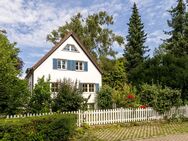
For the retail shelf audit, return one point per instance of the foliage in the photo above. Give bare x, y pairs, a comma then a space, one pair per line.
177, 43
48, 128
161, 99
148, 94
93, 31
13, 91
40, 101
104, 97
135, 49
69, 97
114, 74
19, 96
126, 97
164, 69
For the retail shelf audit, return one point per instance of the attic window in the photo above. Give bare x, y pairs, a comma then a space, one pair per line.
70, 47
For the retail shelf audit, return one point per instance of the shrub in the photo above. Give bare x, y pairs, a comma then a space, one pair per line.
161, 99
126, 97
69, 97
104, 97
41, 97
148, 94
48, 128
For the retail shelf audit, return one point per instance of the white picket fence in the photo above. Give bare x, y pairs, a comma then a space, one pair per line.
99, 117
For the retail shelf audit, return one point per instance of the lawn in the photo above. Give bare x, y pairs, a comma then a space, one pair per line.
134, 131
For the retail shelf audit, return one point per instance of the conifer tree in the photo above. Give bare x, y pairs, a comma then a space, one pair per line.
135, 49
177, 43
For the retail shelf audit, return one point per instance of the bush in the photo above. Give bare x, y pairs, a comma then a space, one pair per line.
69, 97
40, 101
161, 99
126, 97
148, 94
104, 97
48, 128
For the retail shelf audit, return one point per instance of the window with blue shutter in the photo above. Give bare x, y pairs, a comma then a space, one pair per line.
70, 65
85, 66
97, 87
54, 63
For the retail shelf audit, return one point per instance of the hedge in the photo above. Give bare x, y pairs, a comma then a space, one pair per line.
45, 128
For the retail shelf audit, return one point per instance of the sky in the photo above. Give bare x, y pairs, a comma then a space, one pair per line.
28, 22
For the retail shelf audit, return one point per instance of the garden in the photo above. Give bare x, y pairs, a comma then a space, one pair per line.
138, 94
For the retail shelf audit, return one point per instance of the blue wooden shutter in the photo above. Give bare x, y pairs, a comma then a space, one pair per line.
68, 64
71, 64
54, 63
97, 87
85, 66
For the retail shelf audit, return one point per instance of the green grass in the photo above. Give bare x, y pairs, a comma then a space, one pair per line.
135, 131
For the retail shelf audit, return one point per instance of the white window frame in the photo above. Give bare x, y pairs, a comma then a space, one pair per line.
79, 66
89, 90
69, 47
61, 64
54, 87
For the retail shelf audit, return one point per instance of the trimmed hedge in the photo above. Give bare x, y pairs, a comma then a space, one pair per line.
46, 128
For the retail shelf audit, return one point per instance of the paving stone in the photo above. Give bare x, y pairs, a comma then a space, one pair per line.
178, 137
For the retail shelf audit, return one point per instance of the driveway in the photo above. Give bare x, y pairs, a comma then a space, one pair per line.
178, 137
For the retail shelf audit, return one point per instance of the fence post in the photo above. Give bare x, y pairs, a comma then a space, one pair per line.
121, 114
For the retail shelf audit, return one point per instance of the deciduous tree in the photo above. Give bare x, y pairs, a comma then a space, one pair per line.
94, 31
13, 91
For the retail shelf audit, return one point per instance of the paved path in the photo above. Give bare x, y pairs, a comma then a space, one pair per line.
178, 137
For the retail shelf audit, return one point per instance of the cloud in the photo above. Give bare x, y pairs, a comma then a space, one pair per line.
156, 37
29, 21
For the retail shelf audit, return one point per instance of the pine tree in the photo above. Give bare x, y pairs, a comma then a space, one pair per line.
135, 49
177, 43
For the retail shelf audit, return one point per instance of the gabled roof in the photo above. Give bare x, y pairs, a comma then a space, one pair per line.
29, 71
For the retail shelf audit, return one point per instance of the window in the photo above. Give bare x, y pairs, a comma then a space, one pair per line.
91, 87
54, 87
88, 87
73, 48
79, 66
66, 48
61, 64
73, 65
84, 87
70, 47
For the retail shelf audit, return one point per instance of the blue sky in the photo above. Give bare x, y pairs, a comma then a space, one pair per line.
27, 22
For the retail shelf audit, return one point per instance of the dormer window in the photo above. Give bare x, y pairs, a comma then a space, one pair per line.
70, 47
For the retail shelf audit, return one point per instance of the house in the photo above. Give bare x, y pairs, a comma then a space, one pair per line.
69, 59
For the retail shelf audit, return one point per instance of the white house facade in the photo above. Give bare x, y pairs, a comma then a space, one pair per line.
68, 60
